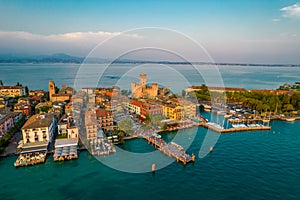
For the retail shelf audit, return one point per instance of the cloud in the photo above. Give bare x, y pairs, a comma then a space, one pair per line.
93, 36
292, 11
275, 20
77, 43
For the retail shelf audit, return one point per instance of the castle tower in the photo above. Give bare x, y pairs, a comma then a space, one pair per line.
51, 89
154, 90
143, 79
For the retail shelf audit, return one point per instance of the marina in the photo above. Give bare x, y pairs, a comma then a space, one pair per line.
217, 128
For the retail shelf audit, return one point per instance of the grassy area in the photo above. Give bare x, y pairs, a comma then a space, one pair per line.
62, 136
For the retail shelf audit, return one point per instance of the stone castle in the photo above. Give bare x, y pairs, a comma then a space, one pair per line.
142, 90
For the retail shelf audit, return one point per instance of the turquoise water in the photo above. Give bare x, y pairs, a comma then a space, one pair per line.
246, 165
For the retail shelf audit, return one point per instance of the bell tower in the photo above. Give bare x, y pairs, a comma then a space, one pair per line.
51, 89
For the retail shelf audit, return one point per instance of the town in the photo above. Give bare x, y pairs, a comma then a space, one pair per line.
62, 121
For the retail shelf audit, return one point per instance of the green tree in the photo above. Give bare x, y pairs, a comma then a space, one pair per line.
125, 125
147, 119
288, 107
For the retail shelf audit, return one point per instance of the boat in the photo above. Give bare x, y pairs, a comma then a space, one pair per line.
207, 110
291, 119
156, 135
221, 112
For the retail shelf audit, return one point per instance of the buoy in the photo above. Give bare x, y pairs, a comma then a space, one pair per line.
193, 157
211, 149
153, 167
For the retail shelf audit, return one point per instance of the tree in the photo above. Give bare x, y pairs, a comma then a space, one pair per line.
288, 107
125, 125
147, 119
26, 90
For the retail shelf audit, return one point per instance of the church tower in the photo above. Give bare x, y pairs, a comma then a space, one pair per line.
51, 89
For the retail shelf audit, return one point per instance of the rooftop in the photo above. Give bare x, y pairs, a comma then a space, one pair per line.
66, 142
39, 120
11, 87
102, 113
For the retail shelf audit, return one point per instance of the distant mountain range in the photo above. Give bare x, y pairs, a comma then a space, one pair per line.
64, 58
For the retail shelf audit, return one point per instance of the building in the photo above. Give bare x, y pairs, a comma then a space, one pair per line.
91, 125
6, 122
23, 108
66, 90
3, 102
37, 135
39, 129
172, 111
134, 106
63, 95
39, 93
150, 109
105, 119
142, 90
51, 87
67, 128
12, 91
67, 140
188, 108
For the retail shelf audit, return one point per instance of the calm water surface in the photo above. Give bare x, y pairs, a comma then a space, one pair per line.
246, 165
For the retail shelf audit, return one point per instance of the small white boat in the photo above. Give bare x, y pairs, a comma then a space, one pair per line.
227, 116
156, 135
207, 110
291, 119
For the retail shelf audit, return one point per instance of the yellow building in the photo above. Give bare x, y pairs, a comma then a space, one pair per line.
12, 91
188, 108
39, 93
172, 111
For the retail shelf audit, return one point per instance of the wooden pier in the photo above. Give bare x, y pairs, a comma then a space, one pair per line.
170, 149
230, 130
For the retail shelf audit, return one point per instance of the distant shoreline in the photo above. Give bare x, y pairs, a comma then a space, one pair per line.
155, 62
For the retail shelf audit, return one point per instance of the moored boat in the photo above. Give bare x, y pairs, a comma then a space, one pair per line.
291, 119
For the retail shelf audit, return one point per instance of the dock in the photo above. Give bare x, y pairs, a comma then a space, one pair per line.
30, 159
219, 129
170, 149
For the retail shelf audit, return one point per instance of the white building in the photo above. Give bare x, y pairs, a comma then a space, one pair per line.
39, 129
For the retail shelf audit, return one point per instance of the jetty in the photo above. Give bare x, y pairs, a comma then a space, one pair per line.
170, 149
219, 129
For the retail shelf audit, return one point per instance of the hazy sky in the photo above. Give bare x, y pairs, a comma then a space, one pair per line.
256, 31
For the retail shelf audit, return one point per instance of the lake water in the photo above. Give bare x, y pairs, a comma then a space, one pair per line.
177, 77
245, 165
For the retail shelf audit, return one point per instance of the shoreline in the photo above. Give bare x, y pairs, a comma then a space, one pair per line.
199, 124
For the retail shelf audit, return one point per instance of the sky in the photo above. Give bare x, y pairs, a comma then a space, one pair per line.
240, 31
